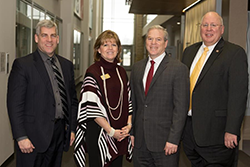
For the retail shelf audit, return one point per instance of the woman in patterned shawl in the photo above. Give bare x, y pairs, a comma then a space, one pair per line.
105, 109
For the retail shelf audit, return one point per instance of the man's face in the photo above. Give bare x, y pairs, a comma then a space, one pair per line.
155, 43
211, 28
47, 40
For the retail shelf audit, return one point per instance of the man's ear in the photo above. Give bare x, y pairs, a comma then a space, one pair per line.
36, 38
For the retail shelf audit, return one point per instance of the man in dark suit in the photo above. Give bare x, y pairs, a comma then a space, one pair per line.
42, 103
218, 97
160, 107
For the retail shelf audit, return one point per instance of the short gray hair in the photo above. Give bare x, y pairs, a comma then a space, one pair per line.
159, 28
47, 24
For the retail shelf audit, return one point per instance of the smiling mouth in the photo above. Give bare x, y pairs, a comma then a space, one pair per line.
153, 48
209, 35
110, 53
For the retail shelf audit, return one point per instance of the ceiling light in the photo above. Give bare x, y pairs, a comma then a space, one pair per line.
184, 10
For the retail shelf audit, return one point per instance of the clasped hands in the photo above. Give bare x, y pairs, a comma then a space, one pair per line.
120, 134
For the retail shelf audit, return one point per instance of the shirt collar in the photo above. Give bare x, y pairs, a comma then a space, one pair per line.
210, 47
45, 57
157, 59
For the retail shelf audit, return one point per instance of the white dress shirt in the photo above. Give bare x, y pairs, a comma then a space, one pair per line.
197, 57
157, 61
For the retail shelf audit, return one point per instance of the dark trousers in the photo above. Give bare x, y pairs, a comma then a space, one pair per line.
52, 157
92, 135
142, 157
210, 156
116, 162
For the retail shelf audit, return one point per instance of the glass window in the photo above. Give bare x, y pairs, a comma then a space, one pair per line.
48, 17
116, 17
77, 52
150, 18
126, 56
23, 29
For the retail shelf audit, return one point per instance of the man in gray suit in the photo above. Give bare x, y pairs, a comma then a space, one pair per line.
160, 106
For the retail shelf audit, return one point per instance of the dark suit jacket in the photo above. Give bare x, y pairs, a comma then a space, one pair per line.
160, 116
31, 103
220, 94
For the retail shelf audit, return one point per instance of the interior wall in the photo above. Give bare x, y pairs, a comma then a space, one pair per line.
67, 16
7, 44
237, 25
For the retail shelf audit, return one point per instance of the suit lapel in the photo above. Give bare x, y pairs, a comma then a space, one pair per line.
216, 52
160, 69
39, 64
141, 74
192, 55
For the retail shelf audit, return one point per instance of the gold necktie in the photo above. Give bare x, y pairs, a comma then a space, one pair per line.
196, 72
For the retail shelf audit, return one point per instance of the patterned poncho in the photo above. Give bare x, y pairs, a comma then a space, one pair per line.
93, 104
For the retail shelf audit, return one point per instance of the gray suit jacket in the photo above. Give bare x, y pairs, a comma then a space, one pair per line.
160, 116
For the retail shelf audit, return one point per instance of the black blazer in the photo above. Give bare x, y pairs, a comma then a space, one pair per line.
160, 116
220, 94
31, 103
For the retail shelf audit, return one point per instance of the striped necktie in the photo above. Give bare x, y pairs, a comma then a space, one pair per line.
61, 88
196, 72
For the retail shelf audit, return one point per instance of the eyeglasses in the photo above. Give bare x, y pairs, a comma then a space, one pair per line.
211, 25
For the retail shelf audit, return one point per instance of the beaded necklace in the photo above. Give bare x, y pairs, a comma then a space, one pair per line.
120, 102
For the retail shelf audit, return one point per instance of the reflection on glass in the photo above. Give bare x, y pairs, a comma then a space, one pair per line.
126, 57
77, 52
22, 40
36, 14
48, 17
150, 18
23, 29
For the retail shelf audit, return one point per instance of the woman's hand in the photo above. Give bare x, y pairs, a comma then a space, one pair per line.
125, 131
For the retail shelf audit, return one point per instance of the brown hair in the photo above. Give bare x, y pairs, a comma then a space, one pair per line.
103, 37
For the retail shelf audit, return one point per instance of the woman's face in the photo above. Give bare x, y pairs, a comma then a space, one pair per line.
109, 50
